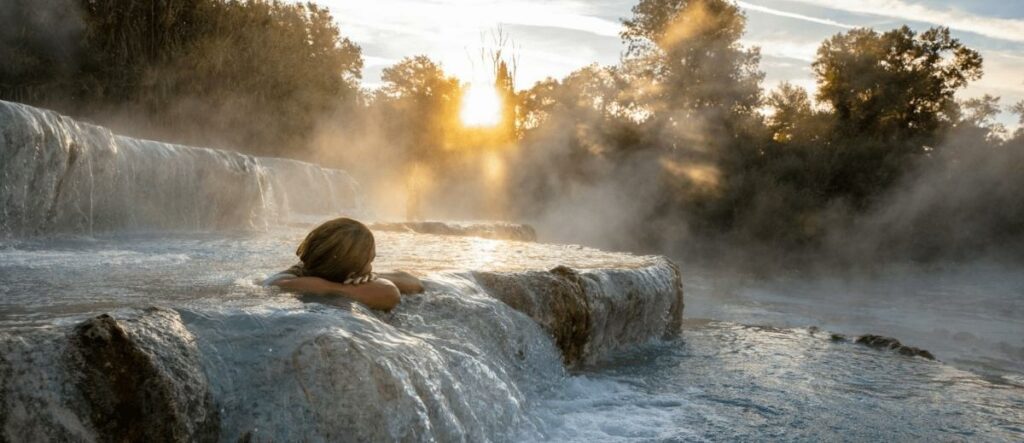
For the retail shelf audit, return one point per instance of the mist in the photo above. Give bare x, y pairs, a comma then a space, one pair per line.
963, 203
696, 161
706, 245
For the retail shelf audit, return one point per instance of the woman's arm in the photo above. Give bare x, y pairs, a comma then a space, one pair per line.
406, 282
378, 294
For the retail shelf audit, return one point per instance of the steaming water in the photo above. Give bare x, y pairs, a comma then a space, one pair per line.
496, 373
454, 363
970, 314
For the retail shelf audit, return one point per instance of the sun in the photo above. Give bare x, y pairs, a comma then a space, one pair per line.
481, 106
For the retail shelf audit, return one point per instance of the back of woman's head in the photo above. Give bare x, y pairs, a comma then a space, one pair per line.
336, 250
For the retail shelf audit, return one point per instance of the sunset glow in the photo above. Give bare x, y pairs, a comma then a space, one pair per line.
481, 106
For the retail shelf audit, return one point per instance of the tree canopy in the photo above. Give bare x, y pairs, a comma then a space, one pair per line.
897, 85
676, 143
251, 75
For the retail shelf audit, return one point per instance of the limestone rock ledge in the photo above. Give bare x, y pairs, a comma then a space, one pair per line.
592, 312
492, 230
135, 379
460, 362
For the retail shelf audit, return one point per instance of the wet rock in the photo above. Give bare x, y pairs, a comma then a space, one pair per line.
815, 330
494, 230
37, 400
882, 342
591, 312
675, 325
554, 299
141, 379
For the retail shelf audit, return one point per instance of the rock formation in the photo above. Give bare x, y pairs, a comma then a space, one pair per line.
494, 230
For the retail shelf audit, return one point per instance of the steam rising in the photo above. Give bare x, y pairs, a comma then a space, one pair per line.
665, 152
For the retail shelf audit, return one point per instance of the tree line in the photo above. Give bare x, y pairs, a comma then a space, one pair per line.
678, 144
247, 75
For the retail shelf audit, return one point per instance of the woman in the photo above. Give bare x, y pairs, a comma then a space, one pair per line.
337, 260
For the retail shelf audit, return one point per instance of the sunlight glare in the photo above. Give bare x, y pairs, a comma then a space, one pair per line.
481, 106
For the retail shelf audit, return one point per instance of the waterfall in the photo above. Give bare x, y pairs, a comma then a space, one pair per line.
61, 175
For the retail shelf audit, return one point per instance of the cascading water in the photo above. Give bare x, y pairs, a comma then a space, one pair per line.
512, 340
458, 362
61, 175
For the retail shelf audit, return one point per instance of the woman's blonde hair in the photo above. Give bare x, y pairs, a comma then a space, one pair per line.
336, 250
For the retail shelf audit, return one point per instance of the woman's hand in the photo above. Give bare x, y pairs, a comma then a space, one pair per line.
377, 294
360, 279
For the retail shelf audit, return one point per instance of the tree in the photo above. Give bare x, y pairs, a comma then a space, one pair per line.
265, 74
892, 96
894, 86
252, 75
979, 115
1018, 108
423, 102
504, 83
40, 41
574, 134
690, 59
503, 57
791, 109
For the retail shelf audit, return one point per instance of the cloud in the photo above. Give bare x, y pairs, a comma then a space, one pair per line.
1003, 72
780, 13
992, 27
442, 16
370, 60
552, 37
803, 50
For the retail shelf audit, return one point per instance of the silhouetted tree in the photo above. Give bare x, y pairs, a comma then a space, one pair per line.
40, 46
503, 57
978, 114
505, 85
897, 85
892, 94
421, 102
687, 55
1018, 108
252, 75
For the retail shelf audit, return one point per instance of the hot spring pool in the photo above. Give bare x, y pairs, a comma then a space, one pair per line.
496, 374
512, 341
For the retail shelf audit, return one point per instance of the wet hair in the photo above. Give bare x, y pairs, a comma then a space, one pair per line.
336, 250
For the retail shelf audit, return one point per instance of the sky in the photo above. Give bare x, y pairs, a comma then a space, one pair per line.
555, 37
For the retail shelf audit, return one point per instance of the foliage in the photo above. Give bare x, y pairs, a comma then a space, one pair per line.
422, 105
683, 112
892, 97
251, 75
676, 144
686, 58
894, 86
